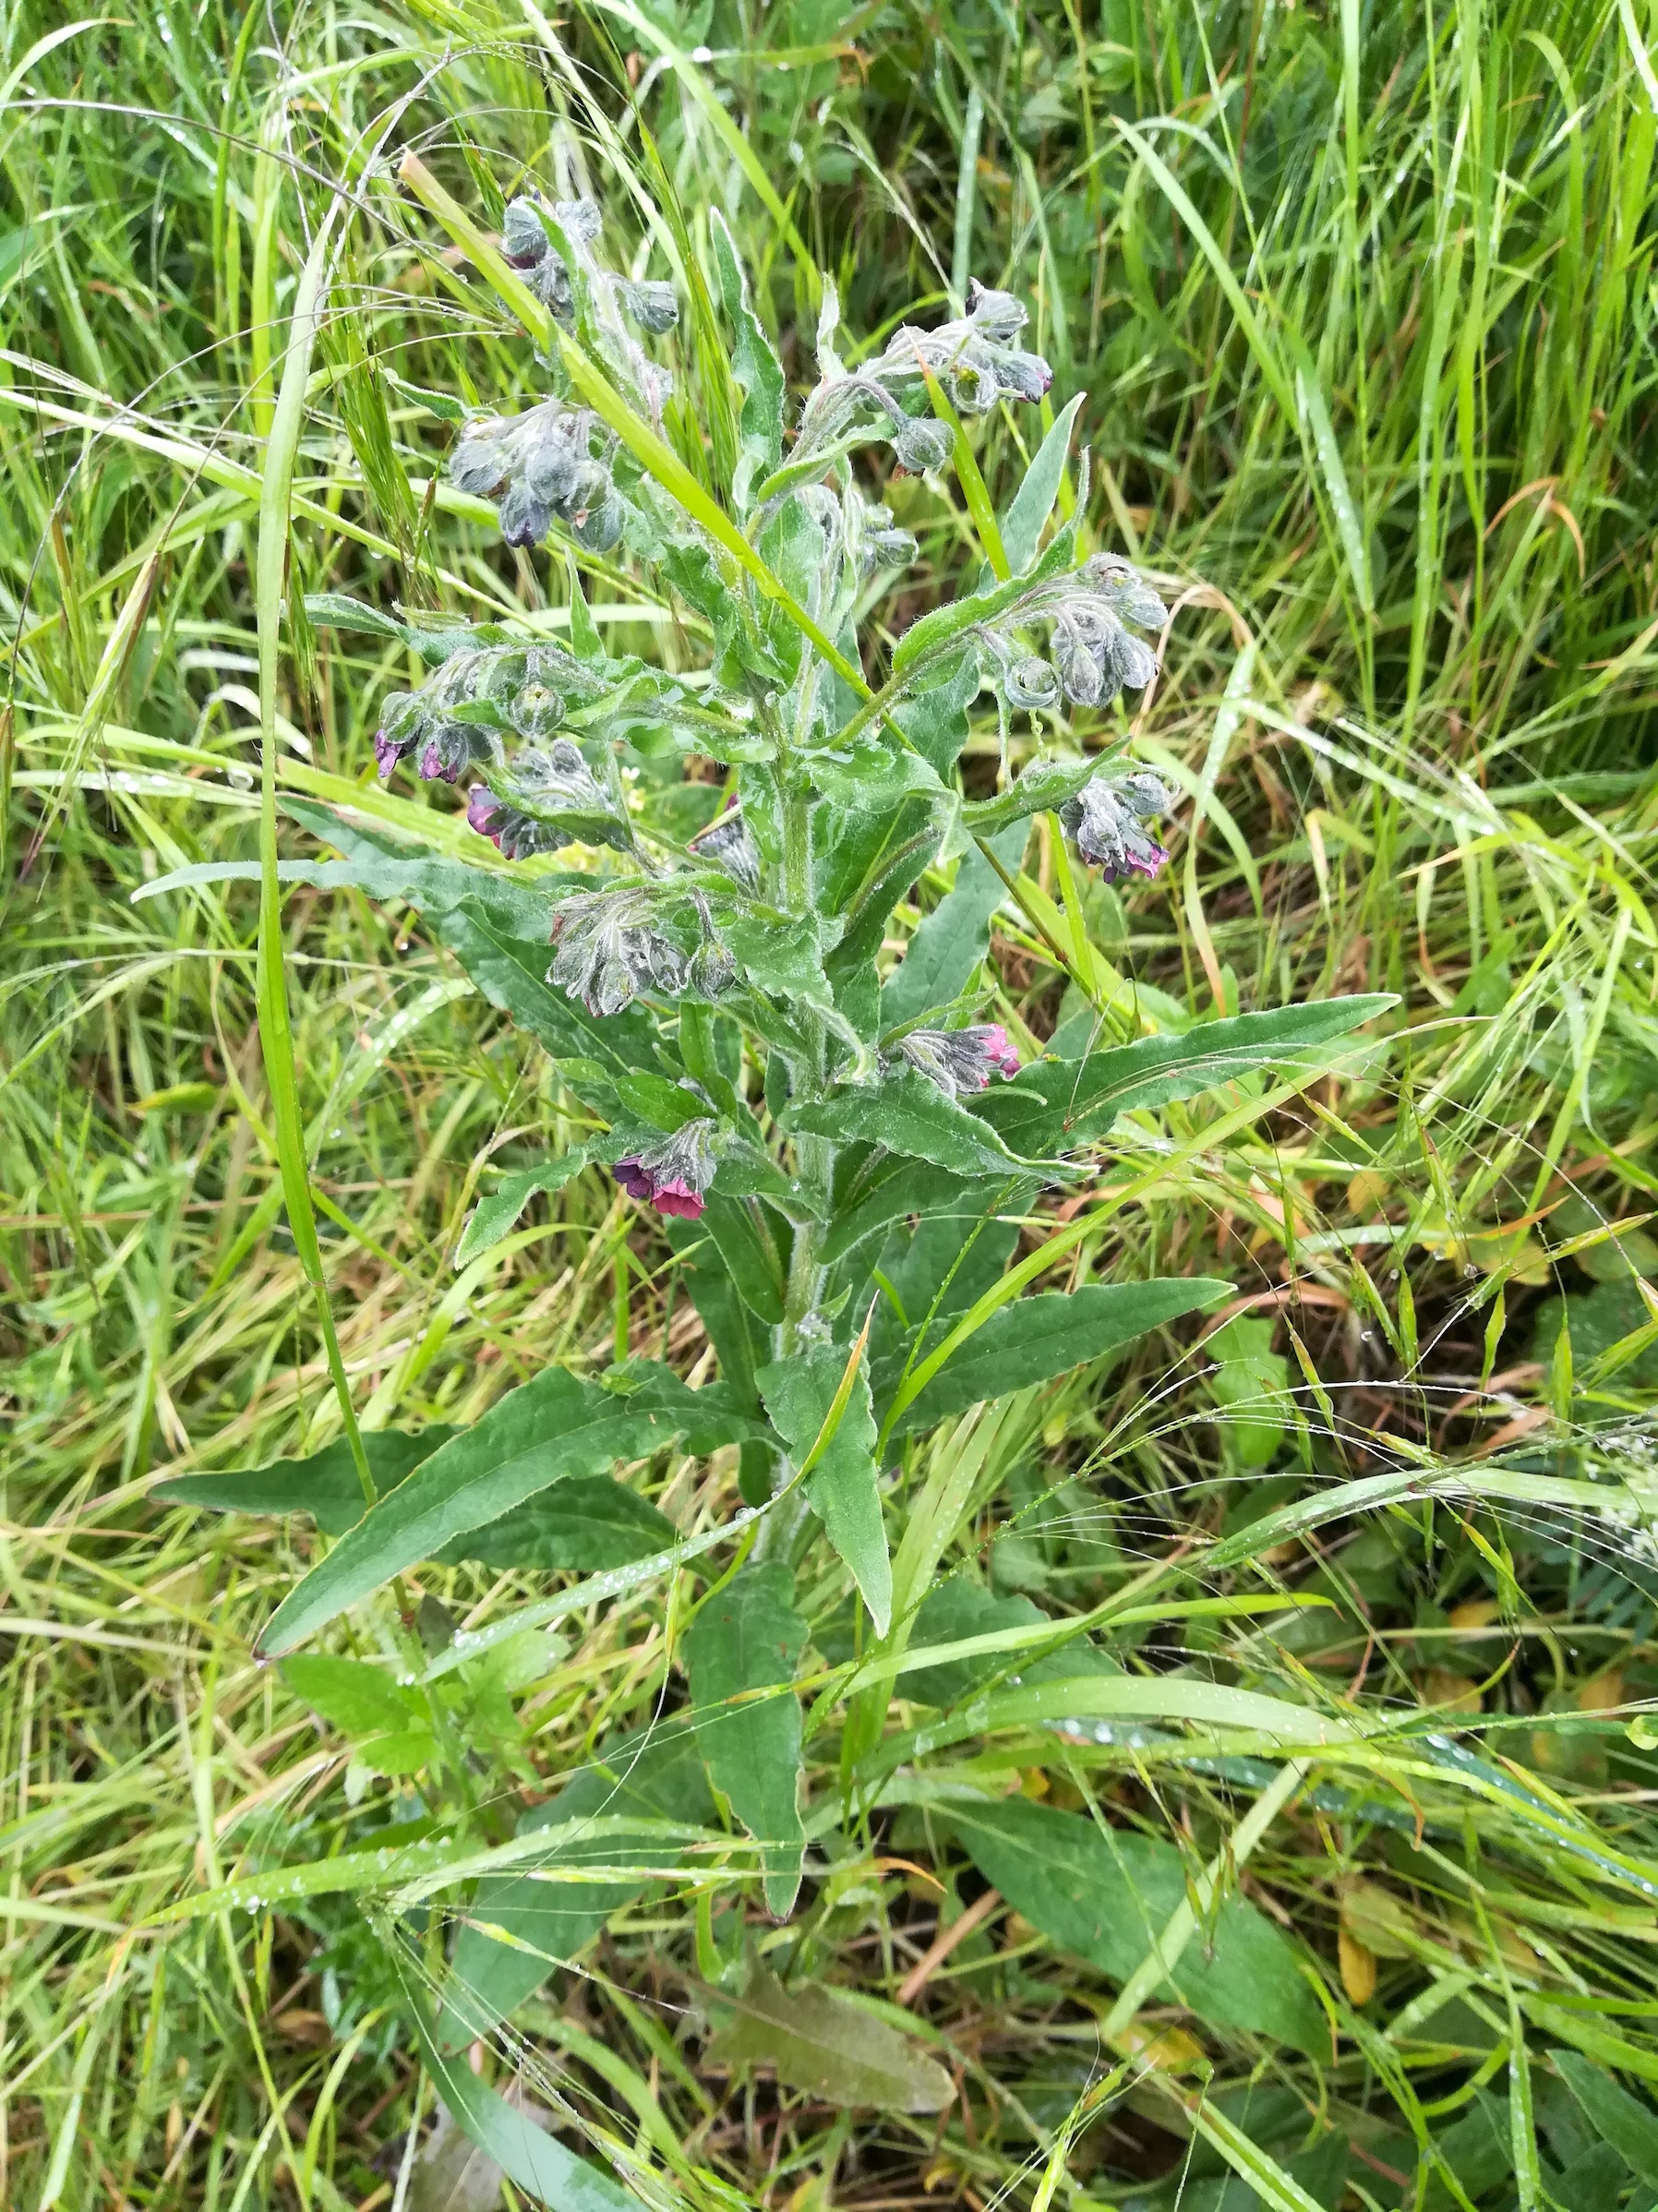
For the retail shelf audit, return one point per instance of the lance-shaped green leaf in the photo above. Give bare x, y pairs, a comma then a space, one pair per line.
959, 1610
951, 942
1055, 1105
434, 641
800, 1395
384, 869
741, 1651
538, 1434
743, 1229
654, 1774
1033, 503
1032, 1340
892, 1188
776, 952
1613, 2114
824, 2044
935, 720
1107, 1896
871, 772
325, 1484
908, 1114
755, 368
934, 632
496, 1213
586, 1522
536, 2162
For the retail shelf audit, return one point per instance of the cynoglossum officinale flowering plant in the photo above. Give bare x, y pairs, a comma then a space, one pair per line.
842, 1136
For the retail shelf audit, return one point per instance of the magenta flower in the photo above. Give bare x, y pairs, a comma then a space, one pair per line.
1105, 818
673, 1175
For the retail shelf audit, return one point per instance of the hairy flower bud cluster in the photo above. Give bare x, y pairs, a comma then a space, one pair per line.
1105, 820
542, 785
539, 465
611, 947
976, 360
729, 845
958, 1060
1095, 655
672, 1176
456, 719
526, 246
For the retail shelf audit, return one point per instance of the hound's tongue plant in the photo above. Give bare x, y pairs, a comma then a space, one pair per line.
711, 966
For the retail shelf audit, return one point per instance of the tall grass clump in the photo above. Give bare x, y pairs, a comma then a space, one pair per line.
825, 1107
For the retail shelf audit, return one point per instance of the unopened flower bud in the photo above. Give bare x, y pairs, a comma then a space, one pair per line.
1031, 683
922, 444
729, 845
1080, 671
653, 304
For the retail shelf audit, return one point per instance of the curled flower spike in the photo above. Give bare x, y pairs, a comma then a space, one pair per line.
974, 357
610, 949
455, 720
960, 1060
515, 835
1105, 820
547, 783
673, 1175
539, 465
1095, 655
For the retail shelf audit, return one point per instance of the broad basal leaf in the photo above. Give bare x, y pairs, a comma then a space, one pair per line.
536, 1435
1055, 1105
656, 1774
1033, 1340
824, 2044
587, 1523
800, 1394
325, 1485
747, 1638
1109, 1896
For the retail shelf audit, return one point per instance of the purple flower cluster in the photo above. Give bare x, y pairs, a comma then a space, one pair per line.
1105, 820
458, 717
672, 1176
959, 1061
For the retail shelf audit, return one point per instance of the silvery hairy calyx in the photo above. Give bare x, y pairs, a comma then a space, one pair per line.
740, 899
